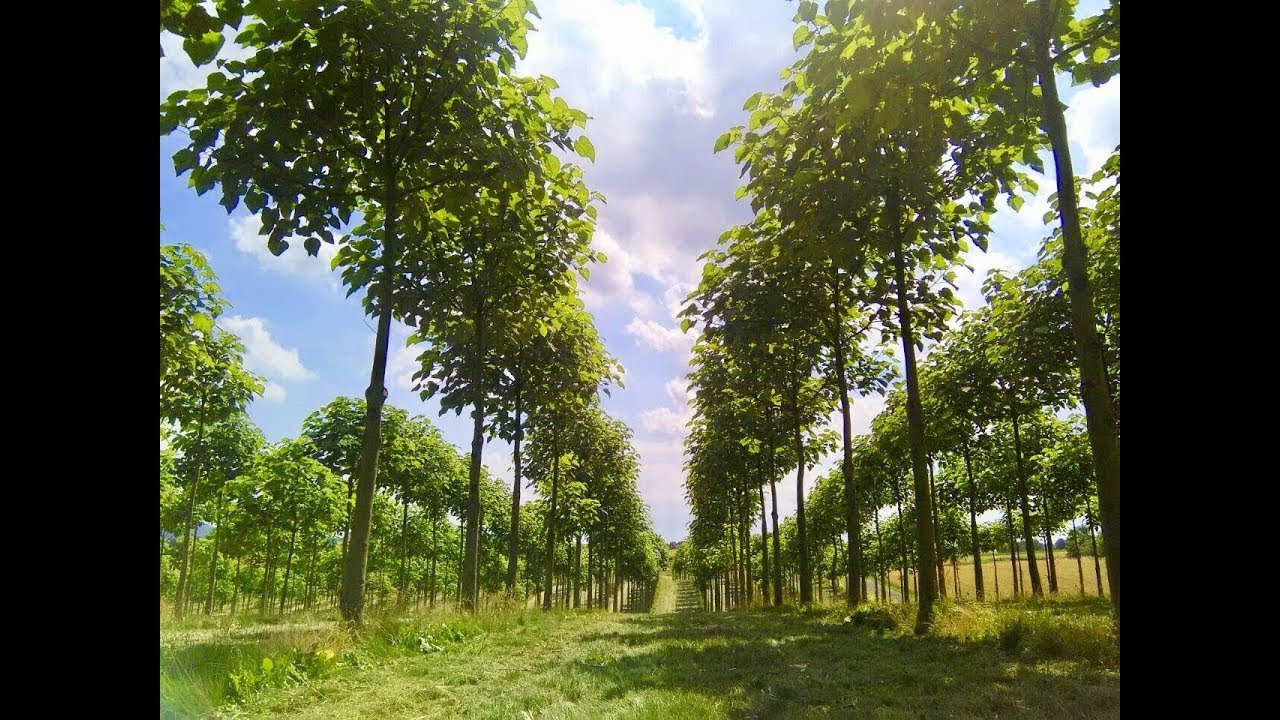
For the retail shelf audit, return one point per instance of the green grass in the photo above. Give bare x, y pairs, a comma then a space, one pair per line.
1032, 660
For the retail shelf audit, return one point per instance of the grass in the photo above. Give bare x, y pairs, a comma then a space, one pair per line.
1056, 659
1068, 576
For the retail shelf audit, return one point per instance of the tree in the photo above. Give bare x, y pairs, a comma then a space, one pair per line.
345, 107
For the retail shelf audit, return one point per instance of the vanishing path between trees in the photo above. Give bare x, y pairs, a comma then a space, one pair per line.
680, 662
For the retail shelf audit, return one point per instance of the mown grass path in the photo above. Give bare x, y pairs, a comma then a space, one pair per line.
683, 664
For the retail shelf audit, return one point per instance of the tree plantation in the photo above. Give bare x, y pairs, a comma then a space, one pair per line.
892, 443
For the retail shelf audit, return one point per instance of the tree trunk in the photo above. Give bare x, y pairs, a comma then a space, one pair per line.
1093, 540
350, 508
806, 578
470, 560
995, 573
213, 564
236, 587
1013, 552
764, 551
973, 527
902, 539
551, 516
288, 568
1075, 534
514, 544
777, 547
188, 523
577, 569
915, 431
1104, 431
937, 532
882, 577
353, 570
853, 569
435, 551
1051, 566
401, 588
1025, 505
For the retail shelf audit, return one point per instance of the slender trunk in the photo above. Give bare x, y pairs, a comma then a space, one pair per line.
404, 546
902, 539
435, 551
777, 548
357, 561
973, 527
806, 578
577, 569
1100, 418
514, 544
462, 551
745, 533
1027, 534
213, 564
266, 571
311, 572
937, 532
470, 560
288, 568
764, 551
1051, 565
188, 524
1093, 541
350, 508
551, 516
590, 569
882, 577
1013, 552
236, 587
853, 570
995, 573
915, 431
1079, 560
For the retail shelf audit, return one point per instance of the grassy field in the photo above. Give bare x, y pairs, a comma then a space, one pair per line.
1035, 660
1068, 575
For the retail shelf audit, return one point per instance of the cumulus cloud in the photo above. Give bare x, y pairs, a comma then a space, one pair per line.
295, 261
658, 336
1093, 119
262, 353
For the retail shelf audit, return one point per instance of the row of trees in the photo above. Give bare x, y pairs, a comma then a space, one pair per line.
871, 173
278, 520
400, 131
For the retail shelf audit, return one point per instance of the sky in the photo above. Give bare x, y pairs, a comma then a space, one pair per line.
660, 80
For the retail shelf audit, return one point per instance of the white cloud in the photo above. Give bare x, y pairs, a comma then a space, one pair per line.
1093, 119
658, 336
626, 47
295, 261
273, 392
613, 282
264, 355
664, 421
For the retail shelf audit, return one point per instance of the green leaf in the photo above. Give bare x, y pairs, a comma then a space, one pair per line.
801, 37
1016, 202
585, 272
204, 48
584, 148
1101, 54
685, 324
723, 141
808, 10
741, 193
751, 103
312, 246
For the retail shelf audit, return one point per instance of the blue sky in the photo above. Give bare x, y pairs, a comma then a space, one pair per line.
661, 80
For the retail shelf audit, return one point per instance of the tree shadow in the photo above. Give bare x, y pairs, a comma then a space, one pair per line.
778, 664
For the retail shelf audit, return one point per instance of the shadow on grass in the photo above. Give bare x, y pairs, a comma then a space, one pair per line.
787, 664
